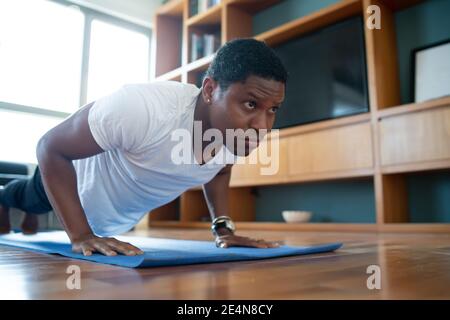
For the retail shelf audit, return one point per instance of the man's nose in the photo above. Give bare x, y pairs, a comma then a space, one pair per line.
259, 122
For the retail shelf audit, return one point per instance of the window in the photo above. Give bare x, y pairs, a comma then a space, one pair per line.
40, 54
20, 132
117, 56
56, 57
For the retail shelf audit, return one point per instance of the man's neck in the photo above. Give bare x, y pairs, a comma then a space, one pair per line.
201, 113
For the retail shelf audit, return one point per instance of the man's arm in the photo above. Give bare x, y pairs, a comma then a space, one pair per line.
216, 197
70, 140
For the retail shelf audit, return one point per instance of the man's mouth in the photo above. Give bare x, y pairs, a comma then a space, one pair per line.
251, 143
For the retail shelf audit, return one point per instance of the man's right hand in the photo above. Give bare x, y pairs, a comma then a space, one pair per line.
107, 246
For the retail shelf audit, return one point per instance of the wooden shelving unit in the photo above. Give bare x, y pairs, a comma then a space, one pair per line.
383, 144
212, 16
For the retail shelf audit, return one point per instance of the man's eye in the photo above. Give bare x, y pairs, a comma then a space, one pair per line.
274, 109
250, 104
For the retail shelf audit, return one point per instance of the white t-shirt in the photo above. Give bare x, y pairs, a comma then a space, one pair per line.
136, 173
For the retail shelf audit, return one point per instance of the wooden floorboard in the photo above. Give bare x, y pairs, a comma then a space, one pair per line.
413, 266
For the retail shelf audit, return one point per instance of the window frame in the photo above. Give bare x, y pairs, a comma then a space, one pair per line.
89, 16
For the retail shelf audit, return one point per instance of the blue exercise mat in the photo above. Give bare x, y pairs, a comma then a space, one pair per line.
158, 251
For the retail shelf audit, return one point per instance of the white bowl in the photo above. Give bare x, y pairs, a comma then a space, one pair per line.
293, 216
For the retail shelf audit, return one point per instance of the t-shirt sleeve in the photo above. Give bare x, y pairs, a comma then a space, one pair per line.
122, 120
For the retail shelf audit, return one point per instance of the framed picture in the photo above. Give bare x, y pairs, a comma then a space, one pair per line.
431, 71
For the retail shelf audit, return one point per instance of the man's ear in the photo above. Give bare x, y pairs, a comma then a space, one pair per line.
209, 86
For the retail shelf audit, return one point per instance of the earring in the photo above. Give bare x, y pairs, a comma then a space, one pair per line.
209, 100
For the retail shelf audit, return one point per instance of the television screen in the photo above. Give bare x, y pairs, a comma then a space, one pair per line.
327, 74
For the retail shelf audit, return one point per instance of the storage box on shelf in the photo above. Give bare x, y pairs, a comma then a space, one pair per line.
384, 144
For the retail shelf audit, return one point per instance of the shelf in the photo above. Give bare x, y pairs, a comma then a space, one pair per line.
174, 75
211, 16
331, 175
200, 64
197, 69
172, 8
196, 77
413, 107
416, 166
252, 6
314, 21
302, 178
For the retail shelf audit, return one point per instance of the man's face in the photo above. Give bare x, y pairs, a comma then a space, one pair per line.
249, 105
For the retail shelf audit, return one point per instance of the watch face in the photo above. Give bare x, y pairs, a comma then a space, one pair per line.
224, 223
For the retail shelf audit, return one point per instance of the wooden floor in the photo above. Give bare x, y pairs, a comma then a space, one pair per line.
413, 266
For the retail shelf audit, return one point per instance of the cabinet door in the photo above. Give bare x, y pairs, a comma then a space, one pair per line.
269, 167
415, 137
337, 149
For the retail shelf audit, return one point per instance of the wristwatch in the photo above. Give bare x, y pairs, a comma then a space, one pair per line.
222, 222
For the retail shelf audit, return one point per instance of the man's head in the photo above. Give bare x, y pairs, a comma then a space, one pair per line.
244, 86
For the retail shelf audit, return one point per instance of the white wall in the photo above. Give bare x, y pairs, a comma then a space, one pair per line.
137, 11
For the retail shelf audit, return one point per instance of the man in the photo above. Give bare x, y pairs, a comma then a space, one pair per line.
110, 162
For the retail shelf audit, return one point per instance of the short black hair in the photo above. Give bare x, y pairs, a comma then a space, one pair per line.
238, 59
